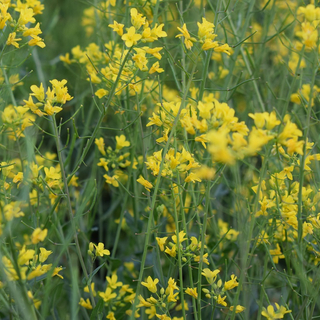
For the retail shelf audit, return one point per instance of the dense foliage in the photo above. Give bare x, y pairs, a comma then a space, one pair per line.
159, 159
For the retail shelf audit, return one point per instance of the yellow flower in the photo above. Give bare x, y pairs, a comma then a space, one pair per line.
210, 275
12, 40
36, 41
163, 317
56, 272
157, 31
231, 283
238, 308
86, 289
111, 316
155, 119
66, 58
44, 254
221, 300
38, 235
121, 142
145, 183
101, 93
26, 15
204, 258
310, 12
103, 163
151, 285
143, 302
86, 304
18, 177
206, 29
36, 302
259, 119
181, 237
38, 92
276, 254
137, 19
112, 180
270, 314
192, 177
117, 27
155, 68
140, 59
187, 38
25, 256
39, 271
107, 295
4, 16
309, 35
161, 242
113, 282
164, 137
171, 252
154, 51
192, 292
60, 91
12, 210
101, 251
100, 144
131, 37
172, 285
223, 48
50, 110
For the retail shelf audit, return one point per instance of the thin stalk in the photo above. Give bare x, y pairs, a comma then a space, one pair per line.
179, 253
240, 49
184, 225
71, 216
203, 239
150, 220
302, 160
245, 255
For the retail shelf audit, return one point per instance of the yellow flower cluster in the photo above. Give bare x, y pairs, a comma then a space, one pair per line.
56, 96
19, 16
16, 120
206, 37
116, 295
115, 160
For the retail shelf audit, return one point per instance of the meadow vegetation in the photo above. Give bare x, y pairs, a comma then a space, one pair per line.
159, 159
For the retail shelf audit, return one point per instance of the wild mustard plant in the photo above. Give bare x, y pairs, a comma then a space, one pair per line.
182, 183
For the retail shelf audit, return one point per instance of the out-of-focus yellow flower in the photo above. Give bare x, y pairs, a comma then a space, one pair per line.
148, 185
117, 27
270, 314
161, 242
38, 235
85, 303
100, 144
192, 292
12, 40
238, 308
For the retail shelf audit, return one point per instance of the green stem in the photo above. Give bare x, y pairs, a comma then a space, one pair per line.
156, 189
179, 253
71, 216
203, 239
